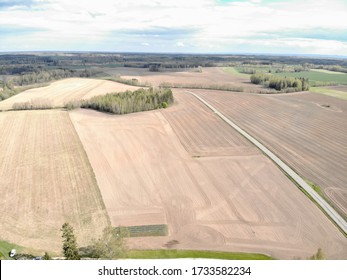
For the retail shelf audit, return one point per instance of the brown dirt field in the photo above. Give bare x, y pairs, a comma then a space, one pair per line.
309, 137
46, 180
209, 76
340, 88
63, 91
223, 200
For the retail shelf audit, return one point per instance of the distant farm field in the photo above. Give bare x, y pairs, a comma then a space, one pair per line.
337, 91
210, 186
318, 76
208, 77
306, 130
46, 180
59, 93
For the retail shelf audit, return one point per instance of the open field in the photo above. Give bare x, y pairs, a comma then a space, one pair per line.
331, 91
179, 254
158, 168
318, 76
328, 71
63, 91
46, 180
338, 88
209, 76
306, 130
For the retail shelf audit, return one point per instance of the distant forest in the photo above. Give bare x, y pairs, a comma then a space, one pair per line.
17, 64
20, 71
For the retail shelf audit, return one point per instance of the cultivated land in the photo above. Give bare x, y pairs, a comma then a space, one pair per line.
184, 167
318, 76
59, 93
46, 180
308, 131
209, 76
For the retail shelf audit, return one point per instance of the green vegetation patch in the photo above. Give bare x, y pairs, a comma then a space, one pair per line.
330, 92
236, 71
179, 254
131, 101
317, 78
316, 188
148, 230
6, 247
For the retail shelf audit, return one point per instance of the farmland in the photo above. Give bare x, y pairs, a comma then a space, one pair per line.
318, 77
307, 130
212, 189
334, 91
208, 77
46, 179
59, 93
179, 178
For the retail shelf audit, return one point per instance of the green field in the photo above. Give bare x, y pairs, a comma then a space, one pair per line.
330, 92
148, 230
5, 248
233, 71
179, 254
317, 77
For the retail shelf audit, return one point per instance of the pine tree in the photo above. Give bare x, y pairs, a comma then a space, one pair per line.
69, 242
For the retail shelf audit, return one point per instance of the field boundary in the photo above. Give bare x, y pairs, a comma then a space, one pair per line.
342, 224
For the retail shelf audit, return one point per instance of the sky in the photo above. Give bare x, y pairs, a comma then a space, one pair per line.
179, 26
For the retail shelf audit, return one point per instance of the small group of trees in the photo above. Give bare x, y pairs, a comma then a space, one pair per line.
111, 244
131, 101
280, 83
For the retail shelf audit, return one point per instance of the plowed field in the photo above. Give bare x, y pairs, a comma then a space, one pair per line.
183, 167
209, 76
306, 130
46, 180
61, 92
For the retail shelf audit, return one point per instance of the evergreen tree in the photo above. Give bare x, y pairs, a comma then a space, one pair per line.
69, 242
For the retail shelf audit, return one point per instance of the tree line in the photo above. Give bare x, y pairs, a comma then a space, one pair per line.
281, 83
131, 101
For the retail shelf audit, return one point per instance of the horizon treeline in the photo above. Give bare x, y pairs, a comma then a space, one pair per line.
131, 101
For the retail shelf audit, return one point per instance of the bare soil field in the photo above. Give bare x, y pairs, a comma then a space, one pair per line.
181, 167
46, 180
63, 91
308, 131
339, 88
209, 76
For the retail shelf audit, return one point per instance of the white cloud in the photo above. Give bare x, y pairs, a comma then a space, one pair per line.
93, 23
179, 44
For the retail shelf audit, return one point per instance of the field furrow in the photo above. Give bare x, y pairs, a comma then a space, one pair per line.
310, 138
46, 180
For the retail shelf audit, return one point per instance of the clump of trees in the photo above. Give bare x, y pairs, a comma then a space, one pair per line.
131, 101
112, 244
280, 83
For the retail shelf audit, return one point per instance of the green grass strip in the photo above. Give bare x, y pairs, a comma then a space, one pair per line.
5, 248
233, 71
330, 92
180, 254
